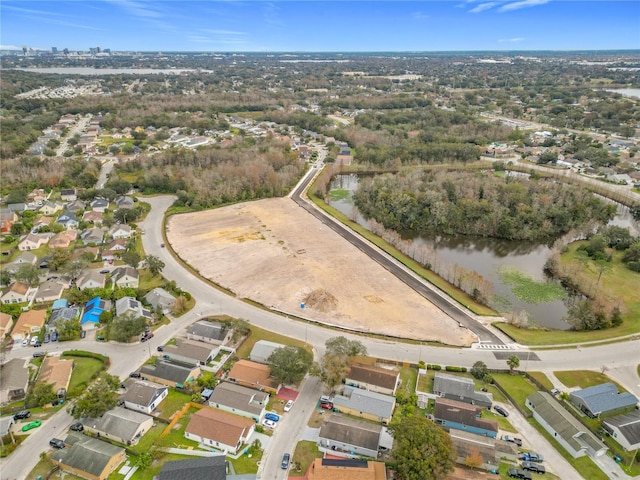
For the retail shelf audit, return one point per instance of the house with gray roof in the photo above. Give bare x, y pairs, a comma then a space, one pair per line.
88, 457
262, 350
365, 404
5, 425
345, 436
144, 396
460, 389
205, 468
131, 307
68, 219
121, 425
170, 373
91, 278
243, 401
124, 201
564, 427
125, 276
160, 298
92, 235
99, 204
14, 379
190, 352
625, 429
603, 399
62, 315
210, 332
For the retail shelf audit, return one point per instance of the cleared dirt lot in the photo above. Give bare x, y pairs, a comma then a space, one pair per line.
273, 252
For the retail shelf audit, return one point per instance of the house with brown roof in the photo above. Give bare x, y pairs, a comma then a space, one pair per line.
57, 371
49, 291
18, 292
220, 430
41, 222
28, 324
375, 379
7, 218
6, 321
36, 196
14, 380
33, 241
463, 416
341, 469
63, 239
93, 217
252, 375
49, 208
114, 250
492, 451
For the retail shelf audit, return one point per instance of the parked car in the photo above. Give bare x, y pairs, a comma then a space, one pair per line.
160, 348
38, 354
135, 375
146, 336
509, 438
269, 423
25, 342
531, 457
83, 333
100, 338
56, 443
517, 473
34, 341
285, 461
47, 338
31, 425
54, 337
22, 414
326, 405
76, 427
273, 417
162, 245
288, 405
501, 410
533, 467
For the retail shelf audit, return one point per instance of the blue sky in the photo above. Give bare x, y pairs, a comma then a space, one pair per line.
255, 25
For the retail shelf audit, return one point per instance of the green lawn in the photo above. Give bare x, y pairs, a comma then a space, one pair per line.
260, 334
425, 382
173, 402
84, 369
503, 423
543, 379
246, 463
306, 451
408, 377
584, 379
517, 386
149, 438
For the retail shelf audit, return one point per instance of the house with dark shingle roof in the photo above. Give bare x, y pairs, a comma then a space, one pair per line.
160, 298
343, 435
492, 450
206, 468
144, 396
239, 400
365, 404
460, 389
170, 373
89, 457
14, 379
625, 429
193, 353
564, 427
375, 379
210, 332
64, 314
602, 399
463, 416
120, 424
220, 430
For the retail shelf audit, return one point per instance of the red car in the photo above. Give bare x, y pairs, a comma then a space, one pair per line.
326, 405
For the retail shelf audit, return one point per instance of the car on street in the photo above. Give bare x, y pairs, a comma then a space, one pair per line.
269, 423
162, 245
146, 336
510, 439
76, 427
160, 348
47, 338
22, 414
501, 411
285, 461
31, 425
38, 354
56, 443
54, 337
533, 467
517, 473
531, 457
25, 342
100, 338
288, 405
273, 417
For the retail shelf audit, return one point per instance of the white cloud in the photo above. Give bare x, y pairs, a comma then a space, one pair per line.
223, 32
511, 40
420, 15
484, 6
507, 7
139, 9
10, 47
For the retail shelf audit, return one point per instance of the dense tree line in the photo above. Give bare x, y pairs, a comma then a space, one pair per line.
482, 204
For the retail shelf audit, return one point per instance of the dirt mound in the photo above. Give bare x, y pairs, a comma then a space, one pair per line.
321, 300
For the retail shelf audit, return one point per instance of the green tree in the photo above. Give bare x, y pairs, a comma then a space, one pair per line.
17, 229
69, 329
29, 274
124, 327
131, 258
334, 364
207, 380
144, 461
344, 347
74, 268
59, 258
154, 264
42, 394
421, 449
513, 362
479, 370
5, 277
98, 398
289, 365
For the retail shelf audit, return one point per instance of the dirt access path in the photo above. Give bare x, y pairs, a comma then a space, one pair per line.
273, 252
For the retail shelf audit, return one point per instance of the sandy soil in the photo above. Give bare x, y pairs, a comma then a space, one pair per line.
275, 253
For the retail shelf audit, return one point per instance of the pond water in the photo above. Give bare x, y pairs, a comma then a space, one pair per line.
487, 255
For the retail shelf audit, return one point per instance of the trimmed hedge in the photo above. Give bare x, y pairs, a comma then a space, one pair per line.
83, 353
431, 366
451, 368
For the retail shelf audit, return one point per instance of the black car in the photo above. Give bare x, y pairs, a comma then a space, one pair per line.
47, 338
54, 337
56, 443
533, 467
22, 414
501, 411
76, 427
135, 375
160, 348
517, 473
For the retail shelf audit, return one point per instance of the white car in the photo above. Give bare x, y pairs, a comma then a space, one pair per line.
25, 342
288, 406
269, 423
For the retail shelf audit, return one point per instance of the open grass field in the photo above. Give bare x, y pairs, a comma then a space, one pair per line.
83, 371
518, 386
543, 379
584, 379
306, 451
260, 334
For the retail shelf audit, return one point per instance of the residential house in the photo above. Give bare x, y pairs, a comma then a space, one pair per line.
28, 324
37, 196
7, 218
68, 194
252, 375
18, 292
5, 425
87, 252
159, 298
76, 206
124, 201
14, 380
625, 429
131, 307
63, 239
190, 352
93, 217
120, 231
33, 241
125, 277
63, 315
463, 416
210, 332
461, 389
170, 373
375, 379
344, 436
88, 457
92, 311
91, 279
56, 371
262, 350
68, 219
144, 396
220, 430
121, 425
6, 322
564, 427
204, 468
239, 400
492, 451
99, 204
49, 291
92, 235
603, 399
24, 258
365, 404
340, 469
41, 222
50, 208
114, 250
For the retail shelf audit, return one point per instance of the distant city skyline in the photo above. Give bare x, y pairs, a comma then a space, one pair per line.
310, 26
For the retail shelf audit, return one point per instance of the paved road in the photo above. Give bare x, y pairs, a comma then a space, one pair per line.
76, 128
